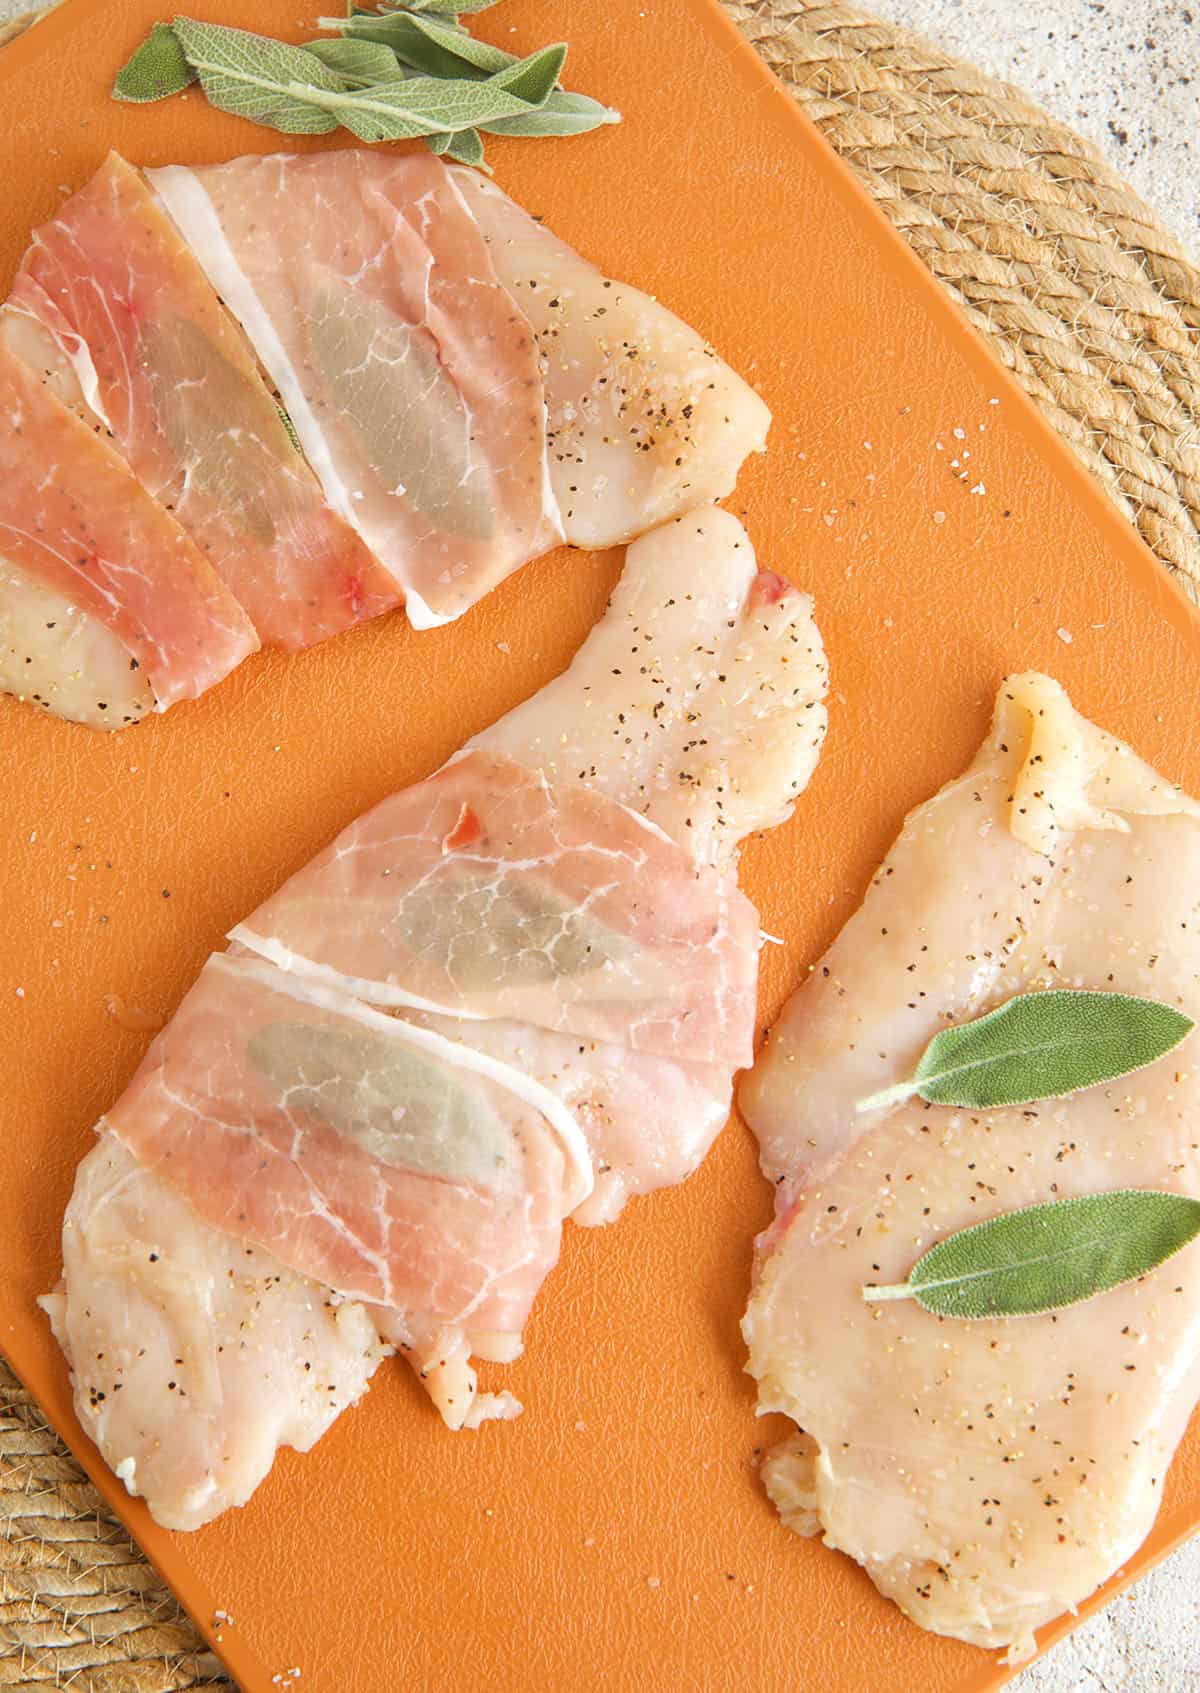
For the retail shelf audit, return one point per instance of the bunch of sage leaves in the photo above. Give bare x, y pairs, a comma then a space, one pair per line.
396, 73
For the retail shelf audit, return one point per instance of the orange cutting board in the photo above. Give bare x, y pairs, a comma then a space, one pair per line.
616, 1535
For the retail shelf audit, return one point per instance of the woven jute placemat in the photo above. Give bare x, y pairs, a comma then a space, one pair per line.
1095, 308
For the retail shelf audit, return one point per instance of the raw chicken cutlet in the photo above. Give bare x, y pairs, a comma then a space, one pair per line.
509, 995
988, 1475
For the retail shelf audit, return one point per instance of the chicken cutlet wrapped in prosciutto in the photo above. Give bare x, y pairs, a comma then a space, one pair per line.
468, 388
990, 1474
513, 993
354, 379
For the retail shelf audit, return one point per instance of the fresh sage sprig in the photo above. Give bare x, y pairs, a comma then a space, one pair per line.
1045, 1257
395, 74
1039, 1046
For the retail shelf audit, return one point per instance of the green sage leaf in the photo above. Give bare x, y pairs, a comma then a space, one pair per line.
357, 61
253, 77
467, 148
533, 79
420, 105
1040, 1046
213, 418
562, 114
155, 70
399, 1103
289, 426
427, 44
446, 8
1049, 1256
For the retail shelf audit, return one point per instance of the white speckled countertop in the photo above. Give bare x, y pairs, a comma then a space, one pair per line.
1125, 73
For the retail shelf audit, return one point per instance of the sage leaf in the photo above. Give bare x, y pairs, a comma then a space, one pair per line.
533, 79
156, 69
420, 105
398, 1103
358, 61
488, 931
211, 420
1040, 1046
562, 114
1049, 1256
467, 148
447, 8
252, 76
289, 426
388, 383
426, 44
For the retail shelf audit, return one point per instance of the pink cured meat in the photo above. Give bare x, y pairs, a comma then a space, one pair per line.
486, 893
74, 517
313, 1127
409, 373
121, 297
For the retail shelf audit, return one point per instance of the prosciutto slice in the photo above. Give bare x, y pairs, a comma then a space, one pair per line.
75, 522
378, 1158
133, 335
988, 1475
512, 994
409, 375
485, 892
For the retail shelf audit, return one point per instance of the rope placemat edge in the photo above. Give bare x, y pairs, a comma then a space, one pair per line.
1093, 306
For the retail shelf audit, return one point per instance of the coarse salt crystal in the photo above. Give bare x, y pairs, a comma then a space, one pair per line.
979, 488
1065, 635
939, 517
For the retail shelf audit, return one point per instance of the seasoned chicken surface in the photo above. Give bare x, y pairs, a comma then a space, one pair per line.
988, 1475
195, 1355
643, 419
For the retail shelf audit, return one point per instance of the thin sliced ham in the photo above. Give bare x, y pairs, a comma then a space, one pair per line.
377, 1158
133, 335
410, 376
76, 521
648, 1121
644, 419
485, 892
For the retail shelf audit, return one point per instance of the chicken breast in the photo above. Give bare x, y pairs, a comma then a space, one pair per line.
988, 1475
508, 995
644, 419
